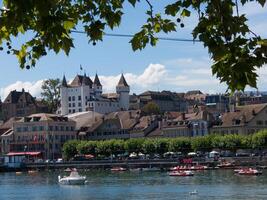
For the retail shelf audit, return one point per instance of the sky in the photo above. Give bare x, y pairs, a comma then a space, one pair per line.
174, 66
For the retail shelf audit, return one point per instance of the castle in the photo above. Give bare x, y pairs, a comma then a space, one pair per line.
83, 94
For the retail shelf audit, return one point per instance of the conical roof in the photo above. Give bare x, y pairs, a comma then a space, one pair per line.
64, 82
122, 82
97, 81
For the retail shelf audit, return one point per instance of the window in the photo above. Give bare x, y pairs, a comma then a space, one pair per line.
56, 137
67, 128
73, 98
25, 129
69, 111
69, 98
56, 128
34, 128
50, 128
259, 122
80, 110
79, 98
79, 104
73, 104
62, 128
72, 128
73, 110
69, 104
41, 128
18, 129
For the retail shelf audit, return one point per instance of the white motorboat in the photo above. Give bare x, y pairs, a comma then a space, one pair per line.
73, 179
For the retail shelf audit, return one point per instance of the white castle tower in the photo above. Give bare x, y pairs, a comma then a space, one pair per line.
97, 86
64, 97
123, 89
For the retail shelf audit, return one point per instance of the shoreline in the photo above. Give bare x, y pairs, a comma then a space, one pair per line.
133, 164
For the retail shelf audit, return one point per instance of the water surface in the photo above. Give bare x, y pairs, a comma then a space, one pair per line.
102, 185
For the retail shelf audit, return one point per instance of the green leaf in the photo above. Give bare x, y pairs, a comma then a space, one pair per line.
68, 25
185, 13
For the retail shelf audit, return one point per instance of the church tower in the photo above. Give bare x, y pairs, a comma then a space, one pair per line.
123, 89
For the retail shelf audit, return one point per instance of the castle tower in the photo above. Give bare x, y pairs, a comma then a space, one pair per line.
85, 91
97, 86
123, 89
64, 97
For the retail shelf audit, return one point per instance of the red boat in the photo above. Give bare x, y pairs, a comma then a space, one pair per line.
181, 173
249, 171
118, 169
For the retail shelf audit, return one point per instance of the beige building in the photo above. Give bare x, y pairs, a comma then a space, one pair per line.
45, 133
244, 120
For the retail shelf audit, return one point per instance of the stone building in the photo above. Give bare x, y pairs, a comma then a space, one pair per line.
83, 94
243, 120
166, 101
20, 104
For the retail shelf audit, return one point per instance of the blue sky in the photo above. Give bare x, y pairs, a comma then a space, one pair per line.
175, 66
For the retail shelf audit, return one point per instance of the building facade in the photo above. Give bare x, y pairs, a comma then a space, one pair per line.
245, 120
83, 94
20, 104
45, 133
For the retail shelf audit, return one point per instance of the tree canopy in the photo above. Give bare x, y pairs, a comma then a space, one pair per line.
51, 94
236, 51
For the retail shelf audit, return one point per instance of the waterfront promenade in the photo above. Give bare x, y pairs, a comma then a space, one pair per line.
146, 163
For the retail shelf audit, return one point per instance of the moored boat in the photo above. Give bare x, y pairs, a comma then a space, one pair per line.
249, 171
184, 168
181, 173
73, 179
118, 169
226, 165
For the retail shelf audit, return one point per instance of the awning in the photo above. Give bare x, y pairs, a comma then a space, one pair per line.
27, 153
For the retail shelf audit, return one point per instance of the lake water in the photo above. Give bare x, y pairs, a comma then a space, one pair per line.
210, 185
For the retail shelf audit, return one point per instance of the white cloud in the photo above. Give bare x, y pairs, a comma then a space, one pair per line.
33, 87
153, 74
176, 75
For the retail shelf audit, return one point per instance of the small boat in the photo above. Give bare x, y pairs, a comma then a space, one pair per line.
237, 170
18, 173
73, 179
32, 171
193, 192
226, 165
118, 169
181, 173
186, 168
249, 171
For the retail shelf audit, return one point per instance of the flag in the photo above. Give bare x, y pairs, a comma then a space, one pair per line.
81, 68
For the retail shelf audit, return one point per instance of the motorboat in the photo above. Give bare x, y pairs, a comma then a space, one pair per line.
249, 171
181, 173
186, 168
226, 165
194, 192
73, 179
118, 169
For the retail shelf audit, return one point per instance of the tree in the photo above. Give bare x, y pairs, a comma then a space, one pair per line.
70, 149
151, 108
237, 52
51, 94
